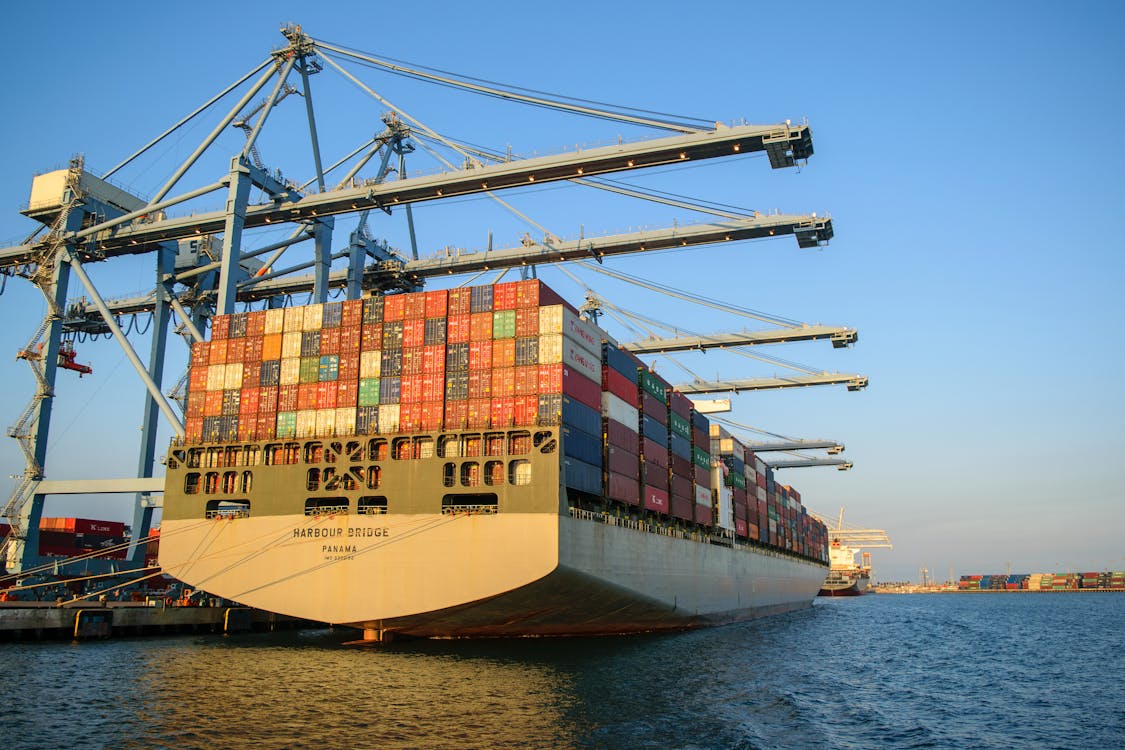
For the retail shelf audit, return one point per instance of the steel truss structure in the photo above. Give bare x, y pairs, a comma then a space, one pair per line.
202, 267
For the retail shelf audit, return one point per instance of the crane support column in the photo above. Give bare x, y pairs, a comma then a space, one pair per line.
23, 549
238, 196
322, 264
161, 314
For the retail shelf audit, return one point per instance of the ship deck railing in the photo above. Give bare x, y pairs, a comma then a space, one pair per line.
453, 510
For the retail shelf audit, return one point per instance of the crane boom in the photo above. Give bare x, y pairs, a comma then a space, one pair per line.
796, 445
839, 336
853, 382
840, 463
792, 142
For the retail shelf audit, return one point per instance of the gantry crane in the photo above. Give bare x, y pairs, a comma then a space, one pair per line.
202, 268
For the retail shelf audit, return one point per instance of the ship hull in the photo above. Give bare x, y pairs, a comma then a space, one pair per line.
846, 586
486, 576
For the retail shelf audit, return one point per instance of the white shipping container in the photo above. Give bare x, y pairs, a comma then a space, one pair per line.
306, 423
388, 418
581, 360
559, 319
726, 504
550, 347
371, 364
702, 496
275, 320
759, 465
345, 420
216, 377
314, 318
294, 319
761, 493
291, 344
290, 371
325, 422
619, 411
233, 377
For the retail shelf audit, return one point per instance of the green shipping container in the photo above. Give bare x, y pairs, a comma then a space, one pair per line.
504, 324
701, 457
736, 480
651, 385
286, 424
310, 370
369, 392
679, 425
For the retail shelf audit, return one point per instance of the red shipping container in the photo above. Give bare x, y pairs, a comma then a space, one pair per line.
534, 293
411, 392
220, 328
326, 395
352, 314
740, 528
480, 412
562, 379
409, 416
654, 452
623, 462
306, 395
413, 361
457, 329
480, 355
654, 476
527, 380
683, 508
480, 326
654, 408
414, 306
437, 303
213, 403
762, 481
480, 384
433, 387
99, 528
456, 415
394, 307
503, 411
330, 341
256, 323
371, 337
236, 349
347, 393
503, 382
740, 510
622, 436
252, 375
348, 367
623, 489
432, 416
503, 353
287, 397
527, 321
248, 402
620, 386
679, 404
413, 332
197, 379
655, 499
193, 429
200, 352
459, 301
703, 514
267, 400
255, 346
195, 404
681, 487
504, 296
527, 410
248, 428
434, 359
350, 339
217, 353
680, 466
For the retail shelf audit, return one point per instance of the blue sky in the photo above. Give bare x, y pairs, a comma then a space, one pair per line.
965, 152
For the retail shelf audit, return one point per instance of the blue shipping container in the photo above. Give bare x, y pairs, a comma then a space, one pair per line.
582, 476
582, 445
619, 361
653, 430
581, 416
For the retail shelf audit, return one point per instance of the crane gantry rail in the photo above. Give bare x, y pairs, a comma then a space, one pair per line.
201, 269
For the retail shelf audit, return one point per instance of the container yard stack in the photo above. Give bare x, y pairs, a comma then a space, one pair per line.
71, 537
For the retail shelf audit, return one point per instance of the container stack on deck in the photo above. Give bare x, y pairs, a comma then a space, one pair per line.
489, 357
71, 537
1043, 582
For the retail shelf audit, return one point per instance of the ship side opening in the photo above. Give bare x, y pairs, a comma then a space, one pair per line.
227, 509
480, 503
324, 506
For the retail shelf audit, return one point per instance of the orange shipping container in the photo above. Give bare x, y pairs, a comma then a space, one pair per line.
326, 395
394, 307
503, 382
347, 393
213, 404
456, 415
271, 346
480, 354
479, 412
436, 303
527, 380
413, 332
350, 339
433, 386
411, 392
503, 353
413, 360
248, 402
371, 337
434, 359
306, 396
200, 352
480, 326
349, 366
480, 384
256, 323
287, 397
504, 296
458, 328
195, 403
193, 429
217, 353
267, 426
329, 341
503, 410
459, 301
527, 321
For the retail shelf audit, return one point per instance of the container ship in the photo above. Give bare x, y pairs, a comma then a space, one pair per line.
479, 461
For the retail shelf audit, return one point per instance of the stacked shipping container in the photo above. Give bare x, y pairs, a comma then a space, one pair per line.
498, 356
70, 537
1114, 580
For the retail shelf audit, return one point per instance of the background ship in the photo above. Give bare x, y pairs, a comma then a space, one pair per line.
845, 577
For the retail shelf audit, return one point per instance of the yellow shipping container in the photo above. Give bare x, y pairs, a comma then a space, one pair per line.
345, 420
294, 319
325, 422
233, 379
291, 344
290, 371
306, 423
275, 320
388, 418
216, 377
550, 345
371, 364
314, 317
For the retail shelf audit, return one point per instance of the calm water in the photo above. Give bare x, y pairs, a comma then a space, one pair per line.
969, 671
